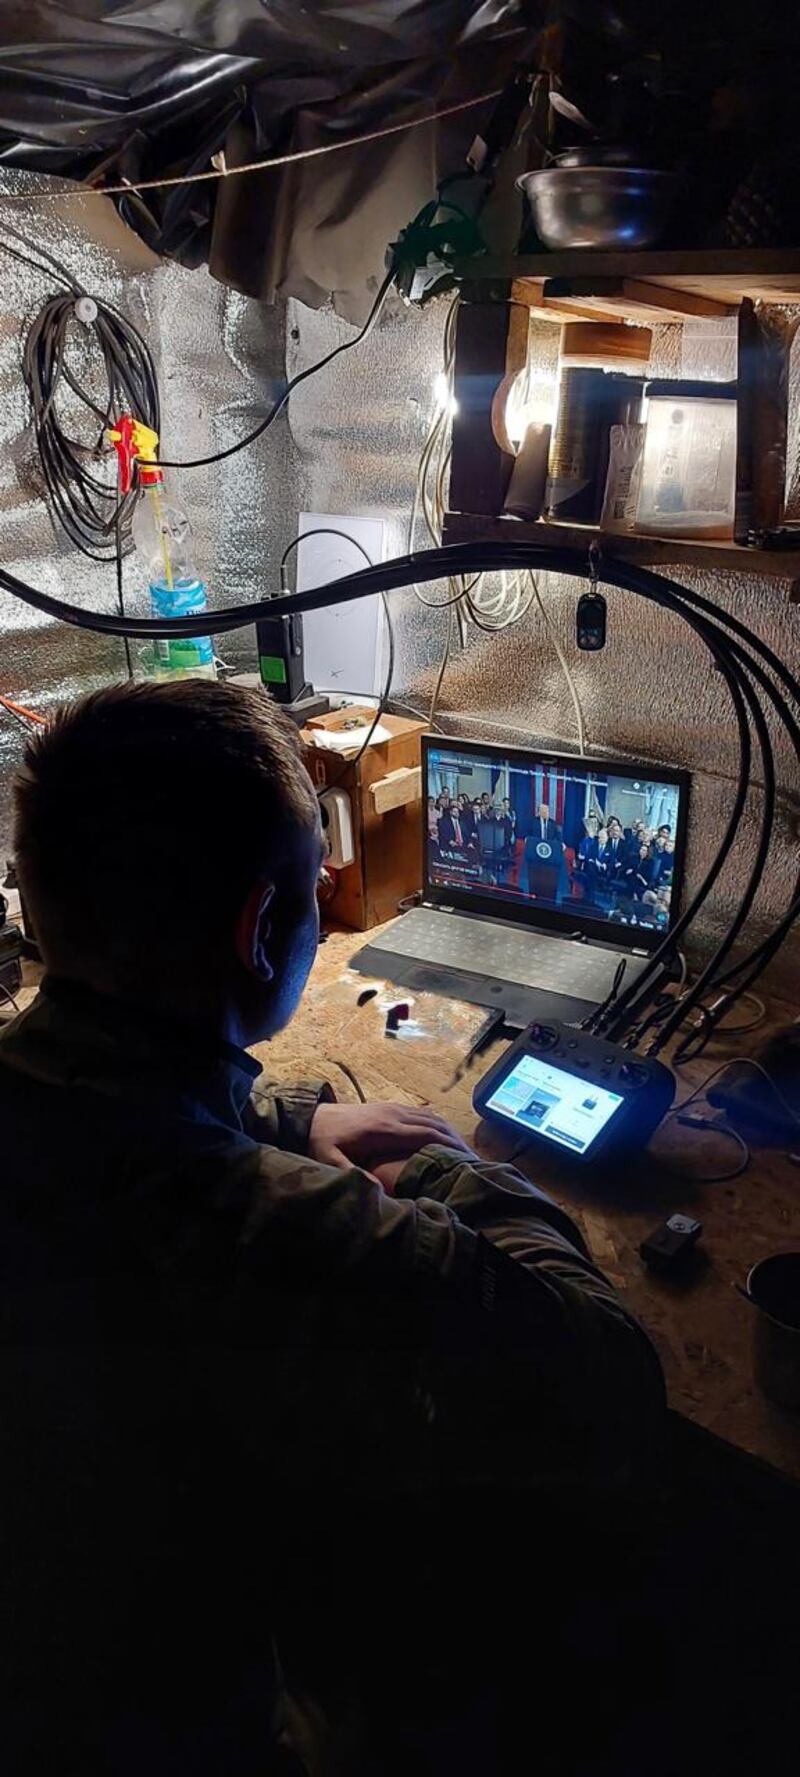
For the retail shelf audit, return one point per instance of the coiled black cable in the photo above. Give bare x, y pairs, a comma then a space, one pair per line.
85, 503
80, 473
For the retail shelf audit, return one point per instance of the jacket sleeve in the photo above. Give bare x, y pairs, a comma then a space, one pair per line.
345, 1222
492, 1252
599, 1361
280, 1116
519, 1220
318, 1221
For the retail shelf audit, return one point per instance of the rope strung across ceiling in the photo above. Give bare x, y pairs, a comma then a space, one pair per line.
222, 171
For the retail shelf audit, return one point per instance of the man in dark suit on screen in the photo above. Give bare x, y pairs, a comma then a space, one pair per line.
543, 854
543, 828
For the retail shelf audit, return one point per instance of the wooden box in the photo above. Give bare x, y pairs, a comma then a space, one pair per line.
384, 787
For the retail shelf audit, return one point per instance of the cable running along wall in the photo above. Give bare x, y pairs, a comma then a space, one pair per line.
744, 661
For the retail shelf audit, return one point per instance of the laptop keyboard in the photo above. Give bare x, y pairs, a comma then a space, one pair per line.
500, 953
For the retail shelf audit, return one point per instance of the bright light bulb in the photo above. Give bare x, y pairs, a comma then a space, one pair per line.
530, 402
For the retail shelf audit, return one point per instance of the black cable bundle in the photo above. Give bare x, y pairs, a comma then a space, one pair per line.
742, 669
749, 668
87, 506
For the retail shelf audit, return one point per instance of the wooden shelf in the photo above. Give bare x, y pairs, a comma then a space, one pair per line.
639, 286
655, 552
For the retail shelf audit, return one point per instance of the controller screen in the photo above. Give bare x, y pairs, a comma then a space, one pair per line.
558, 1106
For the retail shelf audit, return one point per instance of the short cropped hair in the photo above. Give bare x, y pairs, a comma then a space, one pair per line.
145, 814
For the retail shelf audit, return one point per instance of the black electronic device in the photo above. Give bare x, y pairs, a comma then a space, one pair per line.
569, 1091
590, 622
281, 670
760, 1095
670, 1245
280, 657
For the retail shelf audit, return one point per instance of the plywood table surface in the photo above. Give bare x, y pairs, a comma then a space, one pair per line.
702, 1328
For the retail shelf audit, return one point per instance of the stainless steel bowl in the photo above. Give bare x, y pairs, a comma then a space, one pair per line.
611, 206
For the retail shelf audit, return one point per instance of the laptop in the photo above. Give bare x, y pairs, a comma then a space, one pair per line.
541, 872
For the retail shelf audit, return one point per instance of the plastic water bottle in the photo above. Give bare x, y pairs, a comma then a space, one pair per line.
163, 538
162, 534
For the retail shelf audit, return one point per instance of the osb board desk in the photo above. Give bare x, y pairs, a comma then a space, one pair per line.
702, 1328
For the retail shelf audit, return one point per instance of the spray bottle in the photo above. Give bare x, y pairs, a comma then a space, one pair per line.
162, 535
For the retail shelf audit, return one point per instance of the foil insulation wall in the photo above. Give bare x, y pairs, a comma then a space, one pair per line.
351, 445
220, 360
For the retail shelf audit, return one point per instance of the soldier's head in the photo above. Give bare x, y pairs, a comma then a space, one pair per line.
168, 848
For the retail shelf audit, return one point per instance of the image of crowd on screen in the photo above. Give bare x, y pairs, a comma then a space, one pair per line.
553, 841
478, 824
635, 862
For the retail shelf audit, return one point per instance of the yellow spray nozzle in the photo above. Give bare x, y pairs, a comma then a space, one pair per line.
134, 442
145, 442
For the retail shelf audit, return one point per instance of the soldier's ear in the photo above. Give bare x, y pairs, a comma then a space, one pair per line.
253, 932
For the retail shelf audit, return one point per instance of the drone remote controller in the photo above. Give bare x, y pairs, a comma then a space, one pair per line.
576, 1093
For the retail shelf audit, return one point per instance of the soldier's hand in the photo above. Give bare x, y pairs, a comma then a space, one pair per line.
389, 1175
373, 1136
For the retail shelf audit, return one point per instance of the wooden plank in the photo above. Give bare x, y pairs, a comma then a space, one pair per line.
666, 552
747, 375
530, 294
633, 298
726, 275
662, 301
618, 299
491, 349
397, 788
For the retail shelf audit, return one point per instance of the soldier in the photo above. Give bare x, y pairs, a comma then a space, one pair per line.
232, 1308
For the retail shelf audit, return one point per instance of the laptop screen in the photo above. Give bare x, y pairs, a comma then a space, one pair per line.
572, 843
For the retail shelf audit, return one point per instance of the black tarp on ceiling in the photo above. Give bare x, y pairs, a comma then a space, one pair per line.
117, 91
111, 91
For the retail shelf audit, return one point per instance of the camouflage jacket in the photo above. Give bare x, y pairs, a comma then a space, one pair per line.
144, 1168
191, 1309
